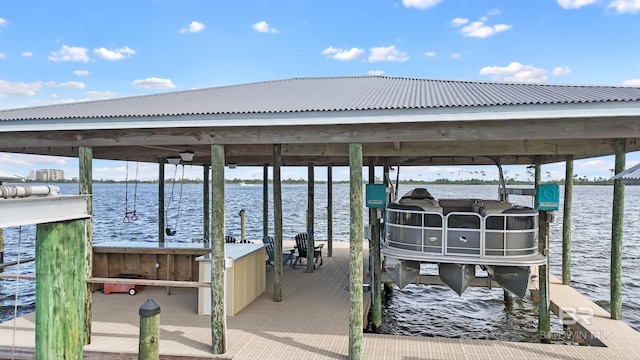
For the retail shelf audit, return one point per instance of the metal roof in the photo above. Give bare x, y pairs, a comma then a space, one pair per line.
327, 94
631, 176
7, 176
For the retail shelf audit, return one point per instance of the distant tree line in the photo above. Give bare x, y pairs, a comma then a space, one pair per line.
577, 180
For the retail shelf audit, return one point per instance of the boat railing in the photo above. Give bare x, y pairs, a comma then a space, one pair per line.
462, 233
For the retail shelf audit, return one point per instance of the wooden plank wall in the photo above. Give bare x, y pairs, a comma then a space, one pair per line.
171, 265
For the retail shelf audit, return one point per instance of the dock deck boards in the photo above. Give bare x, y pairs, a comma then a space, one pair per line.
310, 323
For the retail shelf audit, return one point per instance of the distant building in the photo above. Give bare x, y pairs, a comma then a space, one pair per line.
47, 175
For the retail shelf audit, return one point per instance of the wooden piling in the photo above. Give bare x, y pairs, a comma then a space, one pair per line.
277, 224
544, 315
206, 201
616, 233
149, 337
218, 316
265, 200
310, 216
388, 287
85, 164
355, 252
60, 289
329, 210
566, 221
374, 248
243, 225
161, 214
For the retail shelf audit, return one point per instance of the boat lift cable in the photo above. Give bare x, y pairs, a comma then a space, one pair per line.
397, 180
15, 300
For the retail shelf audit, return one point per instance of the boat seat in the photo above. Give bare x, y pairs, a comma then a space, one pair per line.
421, 198
451, 205
490, 207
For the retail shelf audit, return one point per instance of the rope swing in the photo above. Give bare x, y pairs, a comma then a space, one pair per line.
134, 215
168, 230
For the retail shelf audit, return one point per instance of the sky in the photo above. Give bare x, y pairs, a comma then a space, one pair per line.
54, 52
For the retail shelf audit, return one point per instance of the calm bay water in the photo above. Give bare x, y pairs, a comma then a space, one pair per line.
416, 310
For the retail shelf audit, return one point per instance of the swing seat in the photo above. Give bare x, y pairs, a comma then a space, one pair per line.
169, 232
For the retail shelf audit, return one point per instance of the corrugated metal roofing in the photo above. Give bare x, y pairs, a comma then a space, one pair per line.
631, 176
7, 176
331, 94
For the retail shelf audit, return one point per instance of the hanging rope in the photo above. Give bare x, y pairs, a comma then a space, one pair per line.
15, 300
167, 230
179, 200
133, 214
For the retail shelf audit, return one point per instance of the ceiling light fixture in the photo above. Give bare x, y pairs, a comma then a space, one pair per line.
173, 160
187, 155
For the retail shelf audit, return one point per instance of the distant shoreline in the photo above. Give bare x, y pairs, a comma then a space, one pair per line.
579, 181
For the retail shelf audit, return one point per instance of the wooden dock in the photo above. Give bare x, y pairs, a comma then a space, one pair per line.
310, 323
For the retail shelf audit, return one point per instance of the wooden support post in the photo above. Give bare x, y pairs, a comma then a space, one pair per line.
218, 316
206, 202
149, 340
376, 266
355, 252
265, 200
372, 217
85, 162
329, 210
277, 224
310, 216
508, 298
544, 317
388, 287
566, 221
161, 214
243, 225
616, 233
60, 289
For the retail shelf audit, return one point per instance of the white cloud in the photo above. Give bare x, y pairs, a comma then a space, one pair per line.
81, 72
625, 6
459, 21
19, 88
574, 4
193, 27
100, 94
264, 27
375, 72
30, 160
115, 54
430, 54
3, 56
71, 85
516, 72
70, 53
557, 71
27, 54
631, 82
420, 4
456, 56
153, 83
494, 12
3, 22
343, 55
389, 53
478, 28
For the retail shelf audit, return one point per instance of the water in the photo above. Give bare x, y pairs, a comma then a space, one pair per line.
416, 310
